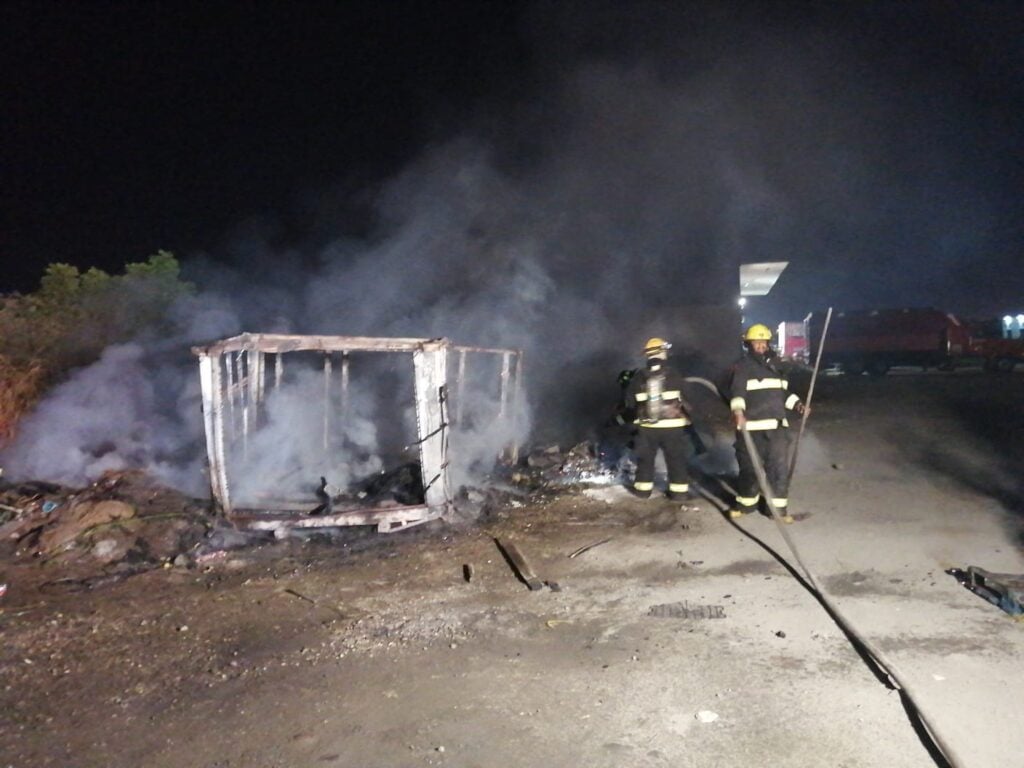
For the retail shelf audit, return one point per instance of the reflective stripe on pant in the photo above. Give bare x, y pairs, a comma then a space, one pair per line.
773, 448
747, 504
676, 446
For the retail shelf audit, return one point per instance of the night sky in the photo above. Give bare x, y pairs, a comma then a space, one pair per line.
880, 145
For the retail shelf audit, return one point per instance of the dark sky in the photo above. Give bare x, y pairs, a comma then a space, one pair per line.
134, 126
881, 145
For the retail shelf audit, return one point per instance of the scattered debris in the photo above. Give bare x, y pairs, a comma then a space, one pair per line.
545, 458
583, 464
588, 547
684, 610
1004, 590
81, 517
519, 565
403, 484
780, 633
121, 525
209, 557
299, 595
474, 504
706, 716
467, 572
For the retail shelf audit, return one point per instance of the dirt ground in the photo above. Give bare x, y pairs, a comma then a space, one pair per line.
682, 640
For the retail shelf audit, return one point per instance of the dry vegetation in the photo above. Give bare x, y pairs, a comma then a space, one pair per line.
70, 320
21, 385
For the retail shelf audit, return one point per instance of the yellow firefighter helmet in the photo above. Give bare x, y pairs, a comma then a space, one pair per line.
758, 332
656, 347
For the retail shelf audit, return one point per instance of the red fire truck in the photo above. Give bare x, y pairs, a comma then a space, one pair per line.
792, 340
989, 342
876, 340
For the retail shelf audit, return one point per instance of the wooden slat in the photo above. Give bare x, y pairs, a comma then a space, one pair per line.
392, 518
273, 342
520, 564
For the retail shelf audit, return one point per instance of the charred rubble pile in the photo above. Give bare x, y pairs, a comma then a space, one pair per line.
542, 473
587, 463
124, 523
399, 486
544, 469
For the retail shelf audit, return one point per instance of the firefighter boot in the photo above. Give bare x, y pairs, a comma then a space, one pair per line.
744, 505
641, 489
782, 510
679, 492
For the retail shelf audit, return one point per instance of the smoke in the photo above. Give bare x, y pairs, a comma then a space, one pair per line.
107, 417
658, 147
296, 445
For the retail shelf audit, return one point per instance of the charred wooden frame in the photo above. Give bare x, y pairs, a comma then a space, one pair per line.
233, 376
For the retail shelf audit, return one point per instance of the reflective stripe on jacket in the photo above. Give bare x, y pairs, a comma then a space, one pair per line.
761, 391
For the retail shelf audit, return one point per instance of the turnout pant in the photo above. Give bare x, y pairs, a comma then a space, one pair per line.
773, 448
677, 447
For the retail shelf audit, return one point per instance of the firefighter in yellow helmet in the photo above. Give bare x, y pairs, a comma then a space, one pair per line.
761, 401
655, 395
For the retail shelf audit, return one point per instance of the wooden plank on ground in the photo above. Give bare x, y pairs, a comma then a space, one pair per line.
519, 564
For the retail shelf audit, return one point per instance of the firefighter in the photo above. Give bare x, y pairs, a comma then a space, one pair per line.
655, 395
615, 435
760, 400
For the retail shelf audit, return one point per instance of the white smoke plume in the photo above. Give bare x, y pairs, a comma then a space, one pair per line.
286, 455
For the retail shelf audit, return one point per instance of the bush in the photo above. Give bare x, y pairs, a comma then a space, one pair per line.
71, 319
21, 386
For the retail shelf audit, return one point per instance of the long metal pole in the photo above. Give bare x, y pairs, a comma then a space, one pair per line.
810, 395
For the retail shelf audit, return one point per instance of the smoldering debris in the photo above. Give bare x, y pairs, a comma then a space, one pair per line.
489, 502
585, 463
401, 486
122, 524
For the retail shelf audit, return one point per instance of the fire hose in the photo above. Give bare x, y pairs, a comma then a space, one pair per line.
896, 680
885, 665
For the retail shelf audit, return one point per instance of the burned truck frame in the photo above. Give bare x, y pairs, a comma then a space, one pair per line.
235, 375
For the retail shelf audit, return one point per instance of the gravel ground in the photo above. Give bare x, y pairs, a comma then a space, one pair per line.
681, 641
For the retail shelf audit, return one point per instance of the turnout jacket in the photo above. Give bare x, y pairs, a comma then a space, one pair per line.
655, 394
760, 389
